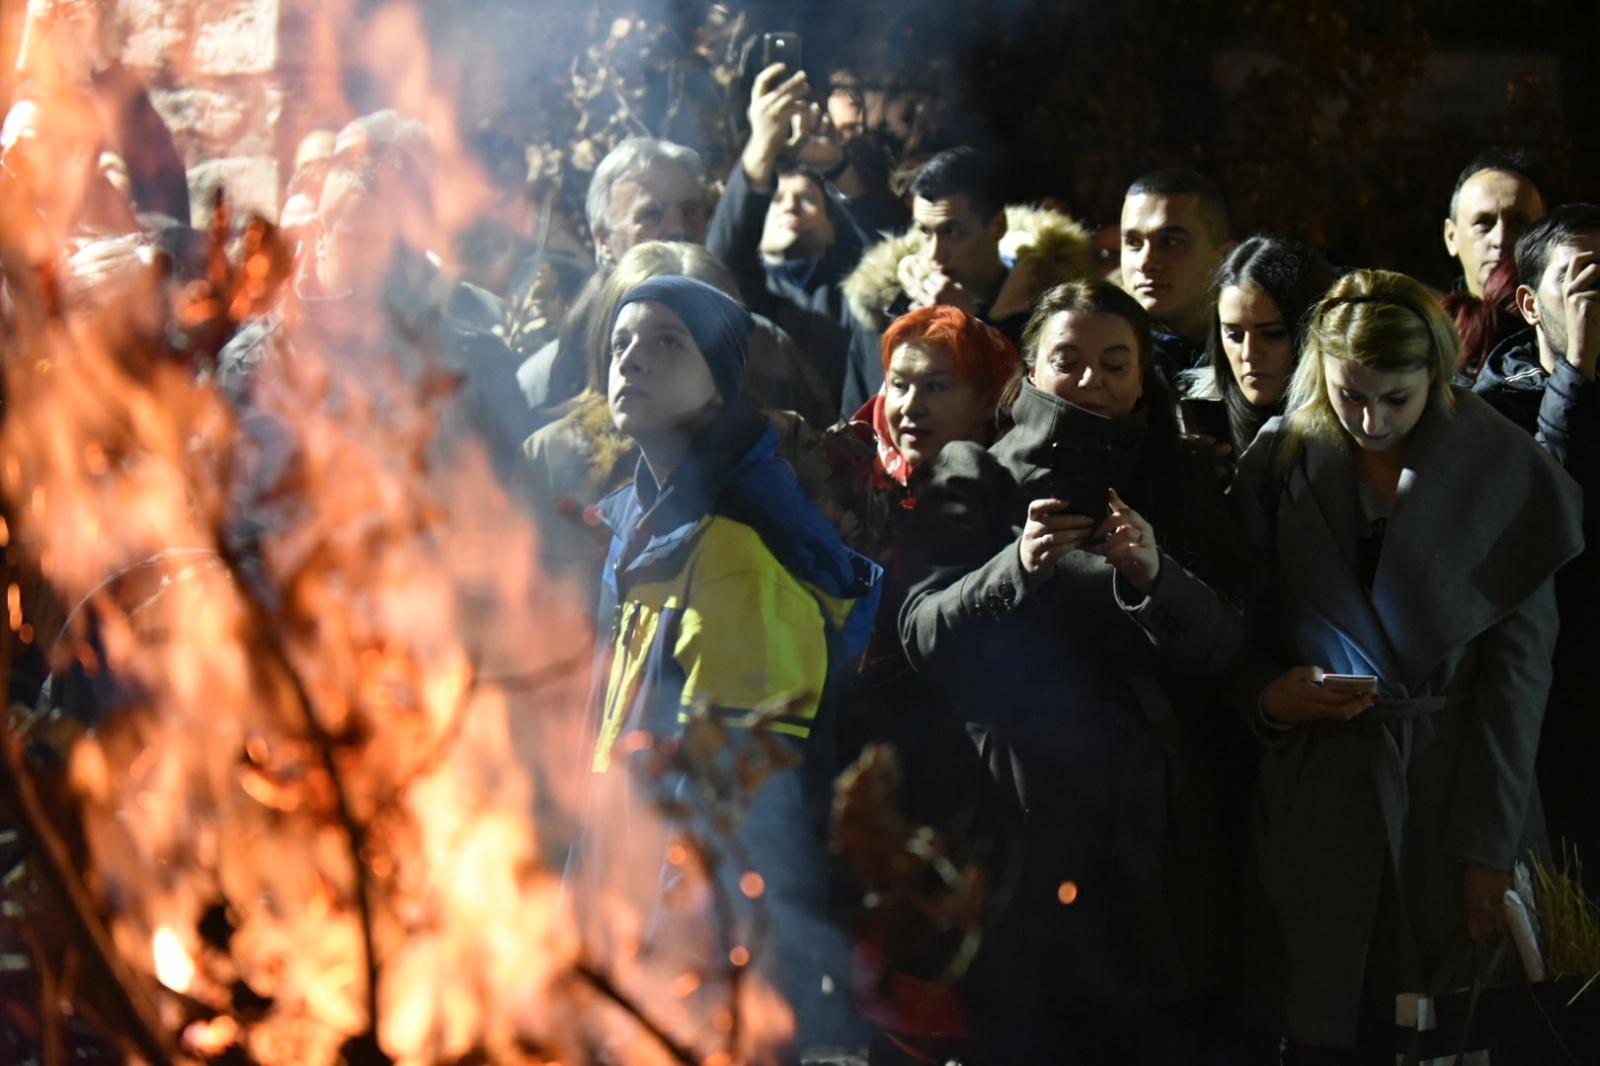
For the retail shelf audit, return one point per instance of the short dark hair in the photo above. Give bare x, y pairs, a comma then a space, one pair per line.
957, 172
1510, 160
1181, 181
1558, 227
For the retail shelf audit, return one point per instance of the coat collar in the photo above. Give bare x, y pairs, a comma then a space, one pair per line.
1482, 518
1050, 435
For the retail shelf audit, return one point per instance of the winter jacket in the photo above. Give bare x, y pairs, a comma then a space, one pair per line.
725, 588
1361, 827
1079, 690
1041, 248
804, 297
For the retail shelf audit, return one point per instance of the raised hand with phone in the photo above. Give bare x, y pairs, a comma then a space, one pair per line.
777, 99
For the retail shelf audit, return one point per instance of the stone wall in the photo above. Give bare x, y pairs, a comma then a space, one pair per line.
212, 67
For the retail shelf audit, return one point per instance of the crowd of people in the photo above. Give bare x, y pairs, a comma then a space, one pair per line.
1226, 610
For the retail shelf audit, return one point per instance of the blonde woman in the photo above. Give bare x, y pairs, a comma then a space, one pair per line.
1410, 533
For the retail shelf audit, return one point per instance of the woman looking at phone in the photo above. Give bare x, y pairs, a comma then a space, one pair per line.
1412, 534
1044, 605
1263, 288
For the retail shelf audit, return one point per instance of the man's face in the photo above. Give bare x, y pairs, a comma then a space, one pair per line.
663, 202
358, 240
1551, 317
797, 225
1168, 254
962, 244
1494, 208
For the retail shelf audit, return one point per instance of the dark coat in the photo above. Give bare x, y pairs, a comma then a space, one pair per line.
1361, 827
1080, 690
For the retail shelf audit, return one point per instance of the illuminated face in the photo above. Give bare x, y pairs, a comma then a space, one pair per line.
797, 220
1493, 209
964, 246
663, 202
1090, 359
1257, 342
1167, 259
1379, 409
928, 404
658, 380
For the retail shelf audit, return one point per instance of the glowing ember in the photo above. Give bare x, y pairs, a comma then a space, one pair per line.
1067, 893
174, 967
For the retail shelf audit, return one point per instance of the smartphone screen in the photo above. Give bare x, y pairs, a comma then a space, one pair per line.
1350, 682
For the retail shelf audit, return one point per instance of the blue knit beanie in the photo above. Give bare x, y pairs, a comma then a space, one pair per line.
720, 326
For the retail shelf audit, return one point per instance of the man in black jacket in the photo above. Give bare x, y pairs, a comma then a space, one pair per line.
1543, 378
787, 235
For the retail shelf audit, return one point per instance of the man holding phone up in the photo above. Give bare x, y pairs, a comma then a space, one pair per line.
780, 227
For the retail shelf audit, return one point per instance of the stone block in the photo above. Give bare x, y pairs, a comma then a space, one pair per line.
154, 35
234, 37
250, 183
237, 119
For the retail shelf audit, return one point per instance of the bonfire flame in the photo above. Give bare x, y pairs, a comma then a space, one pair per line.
307, 806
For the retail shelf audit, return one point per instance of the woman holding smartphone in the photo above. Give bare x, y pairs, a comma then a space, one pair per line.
1411, 534
1054, 599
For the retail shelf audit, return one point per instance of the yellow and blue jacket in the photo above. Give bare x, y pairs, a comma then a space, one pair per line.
726, 586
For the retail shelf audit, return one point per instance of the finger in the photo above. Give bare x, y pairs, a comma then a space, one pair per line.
1038, 509
1584, 281
1117, 504
768, 76
795, 84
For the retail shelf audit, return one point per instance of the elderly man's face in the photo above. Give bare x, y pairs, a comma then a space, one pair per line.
663, 202
358, 241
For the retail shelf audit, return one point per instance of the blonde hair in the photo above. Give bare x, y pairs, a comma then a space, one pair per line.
639, 264
1373, 318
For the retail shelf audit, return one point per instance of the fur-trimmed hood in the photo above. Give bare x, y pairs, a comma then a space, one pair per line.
1043, 248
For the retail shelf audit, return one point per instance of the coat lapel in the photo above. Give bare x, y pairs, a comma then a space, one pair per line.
1317, 536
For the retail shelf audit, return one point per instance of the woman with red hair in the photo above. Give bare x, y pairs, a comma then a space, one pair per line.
943, 372
943, 375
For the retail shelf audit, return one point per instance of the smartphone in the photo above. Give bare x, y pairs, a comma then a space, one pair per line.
1205, 418
782, 47
1350, 682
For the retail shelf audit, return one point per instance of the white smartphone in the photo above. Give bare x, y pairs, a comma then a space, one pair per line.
1350, 682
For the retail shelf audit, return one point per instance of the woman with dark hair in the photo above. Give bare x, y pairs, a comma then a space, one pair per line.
1044, 605
1263, 288
1412, 536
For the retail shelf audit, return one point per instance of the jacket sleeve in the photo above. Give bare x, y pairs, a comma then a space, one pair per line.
958, 581
1185, 619
734, 236
1494, 777
1569, 421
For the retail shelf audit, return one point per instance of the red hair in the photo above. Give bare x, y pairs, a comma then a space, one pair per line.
1484, 323
983, 356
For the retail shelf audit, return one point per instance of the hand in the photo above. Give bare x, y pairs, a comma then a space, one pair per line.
819, 143
1048, 535
1580, 297
936, 288
1484, 896
1298, 696
774, 103
1129, 545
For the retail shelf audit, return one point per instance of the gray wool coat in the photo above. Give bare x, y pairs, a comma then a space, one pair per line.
1361, 828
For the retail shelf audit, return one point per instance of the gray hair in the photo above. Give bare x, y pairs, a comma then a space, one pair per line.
632, 156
